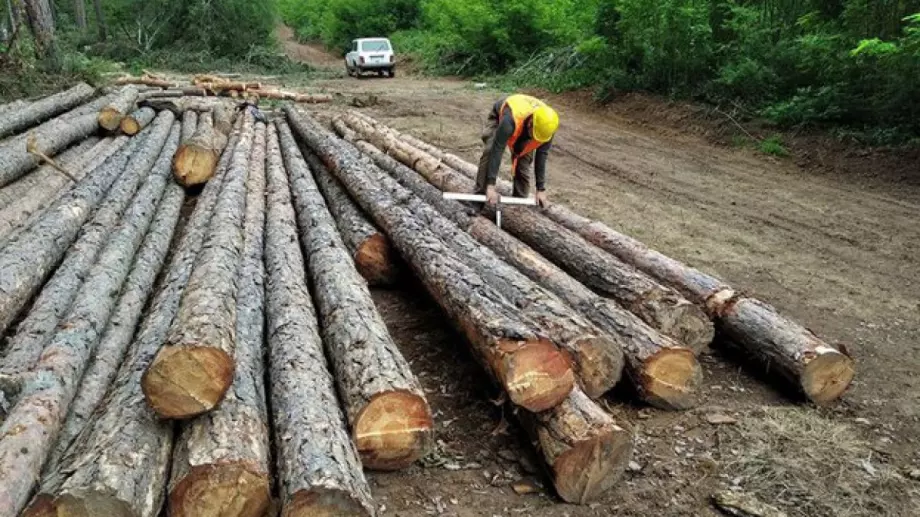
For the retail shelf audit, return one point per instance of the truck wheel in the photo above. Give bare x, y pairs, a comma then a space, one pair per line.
392, 73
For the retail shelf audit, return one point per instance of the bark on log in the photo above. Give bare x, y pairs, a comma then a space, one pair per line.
197, 158
227, 451
659, 306
664, 373
43, 109
586, 451
370, 249
386, 408
173, 92
133, 123
146, 81
58, 294
118, 466
194, 369
318, 467
34, 422
111, 115
48, 139
533, 371
179, 106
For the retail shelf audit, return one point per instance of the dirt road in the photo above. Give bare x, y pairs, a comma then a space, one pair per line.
839, 253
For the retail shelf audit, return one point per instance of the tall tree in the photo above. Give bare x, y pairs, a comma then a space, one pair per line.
100, 20
41, 21
79, 13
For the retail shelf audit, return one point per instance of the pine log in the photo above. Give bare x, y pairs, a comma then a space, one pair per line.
198, 156
194, 369
93, 477
370, 249
57, 295
661, 307
133, 123
111, 115
664, 373
27, 258
35, 421
532, 370
305, 98
584, 448
179, 106
386, 408
146, 81
173, 92
221, 459
319, 472
48, 139
43, 109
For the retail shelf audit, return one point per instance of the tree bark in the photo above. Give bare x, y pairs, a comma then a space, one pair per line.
49, 139
586, 451
111, 115
386, 408
35, 420
118, 466
41, 21
659, 306
100, 20
318, 466
227, 451
664, 373
58, 294
79, 10
198, 156
43, 109
369, 247
532, 370
133, 123
194, 369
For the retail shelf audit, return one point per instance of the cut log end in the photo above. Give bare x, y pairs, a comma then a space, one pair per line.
600, 365
219, 490
393, 430
184, 382
129, 126
374, 259
671, 379
78, 504
685, 322
827, 376
538, 376
194, 165
110, 118
324, 503
590, 468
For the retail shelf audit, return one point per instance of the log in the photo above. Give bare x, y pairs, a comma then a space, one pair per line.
93, 477
137, 120
307, 98
369, 247
531, 369
319, 472
661, 307
49, 139
389, 417
43, 109
226, 451
664, 373
197, 157
34, 422
111, 115
584, 448
192, 372
181, 105
173, 92
37, 328
146, 81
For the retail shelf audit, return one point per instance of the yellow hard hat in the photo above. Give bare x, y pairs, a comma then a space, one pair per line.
545, 123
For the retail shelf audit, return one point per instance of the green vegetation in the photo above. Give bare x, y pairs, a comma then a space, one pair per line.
844, 63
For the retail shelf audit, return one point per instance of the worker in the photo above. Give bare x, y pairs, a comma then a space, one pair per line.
525, 125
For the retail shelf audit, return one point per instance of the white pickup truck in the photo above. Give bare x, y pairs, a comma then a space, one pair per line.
370, 55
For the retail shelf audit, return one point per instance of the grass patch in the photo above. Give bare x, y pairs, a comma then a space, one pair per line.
774, 146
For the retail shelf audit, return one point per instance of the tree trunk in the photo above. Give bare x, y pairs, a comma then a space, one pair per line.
100, 20
197, 157
192, 372
41, 21
137, 120
386, 408
664, 373
34, 422
93, 477
122, 105
586, 451
43, 109
533, 371
369, 247
49, 139
227, 451
660, 307
79, 13
57, 295
319, 472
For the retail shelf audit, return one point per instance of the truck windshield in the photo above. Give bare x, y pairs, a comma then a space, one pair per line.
379, 45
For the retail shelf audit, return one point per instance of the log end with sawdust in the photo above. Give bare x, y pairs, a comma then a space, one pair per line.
393, 430
188, 380
196, 159
139, 119
217, 490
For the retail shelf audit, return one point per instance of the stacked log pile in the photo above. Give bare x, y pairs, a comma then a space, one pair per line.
209, 85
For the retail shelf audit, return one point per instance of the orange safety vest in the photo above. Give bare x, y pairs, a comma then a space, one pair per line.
522, 107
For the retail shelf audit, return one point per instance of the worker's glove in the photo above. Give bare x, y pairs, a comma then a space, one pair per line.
542, 199
492, 195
